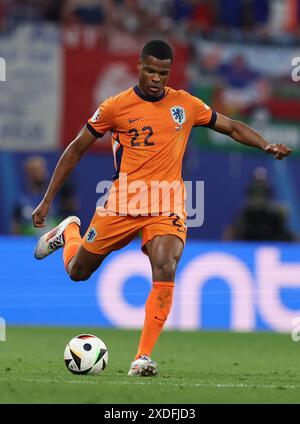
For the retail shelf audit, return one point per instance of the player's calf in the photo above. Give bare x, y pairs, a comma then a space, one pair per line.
83, 264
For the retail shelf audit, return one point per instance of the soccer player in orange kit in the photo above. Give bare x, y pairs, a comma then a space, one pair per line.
150, 125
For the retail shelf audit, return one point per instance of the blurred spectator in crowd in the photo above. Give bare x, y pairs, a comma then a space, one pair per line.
193, 16
292, 23
203, 17
2, 15
131, 17
19, 11
181, 10
159, 15
256, 20
242, 87
85, 11
231, 13
15, 12
35, 183
52, 9
261, 13
261, 219
67, 201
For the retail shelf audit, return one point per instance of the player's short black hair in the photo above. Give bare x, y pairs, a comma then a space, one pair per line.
157, 48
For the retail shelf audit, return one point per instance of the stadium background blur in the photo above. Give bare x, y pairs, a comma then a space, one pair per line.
62, 59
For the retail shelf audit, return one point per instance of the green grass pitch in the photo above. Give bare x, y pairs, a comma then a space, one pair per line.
195, 367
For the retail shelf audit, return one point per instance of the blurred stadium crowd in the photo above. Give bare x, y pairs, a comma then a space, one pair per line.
268, 21
238, 60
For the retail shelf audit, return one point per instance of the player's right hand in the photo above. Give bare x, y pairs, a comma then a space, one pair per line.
279, 150
39, 214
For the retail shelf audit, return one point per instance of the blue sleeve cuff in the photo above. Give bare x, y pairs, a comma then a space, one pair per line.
93, 131
212, 121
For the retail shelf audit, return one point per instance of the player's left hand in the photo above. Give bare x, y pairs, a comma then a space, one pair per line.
279, 150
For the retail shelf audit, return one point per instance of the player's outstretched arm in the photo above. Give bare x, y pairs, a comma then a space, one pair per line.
64, 167
246, 135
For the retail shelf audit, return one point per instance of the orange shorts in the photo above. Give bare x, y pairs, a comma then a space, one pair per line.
108, 233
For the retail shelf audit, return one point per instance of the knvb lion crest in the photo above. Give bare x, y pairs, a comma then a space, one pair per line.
178, 114
91, 235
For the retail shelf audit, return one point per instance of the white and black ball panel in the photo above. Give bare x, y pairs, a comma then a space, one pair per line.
86, 354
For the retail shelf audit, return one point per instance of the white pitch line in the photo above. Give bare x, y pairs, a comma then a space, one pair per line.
158, 383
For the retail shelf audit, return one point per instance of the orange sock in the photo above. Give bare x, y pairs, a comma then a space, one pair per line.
158, 306
72, 243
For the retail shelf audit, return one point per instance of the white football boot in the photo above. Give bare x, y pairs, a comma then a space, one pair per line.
54, 239
143, 367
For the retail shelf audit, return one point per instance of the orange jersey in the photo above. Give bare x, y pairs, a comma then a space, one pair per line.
149, 137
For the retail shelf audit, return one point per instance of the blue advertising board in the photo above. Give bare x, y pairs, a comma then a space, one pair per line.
227, 286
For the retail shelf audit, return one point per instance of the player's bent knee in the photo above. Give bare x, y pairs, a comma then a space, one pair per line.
77, 274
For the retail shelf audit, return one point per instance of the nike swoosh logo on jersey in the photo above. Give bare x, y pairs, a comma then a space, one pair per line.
133, 120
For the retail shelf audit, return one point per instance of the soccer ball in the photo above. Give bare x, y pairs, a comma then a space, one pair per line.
86, 354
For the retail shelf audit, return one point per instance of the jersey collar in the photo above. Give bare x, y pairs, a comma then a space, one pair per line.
148, 98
